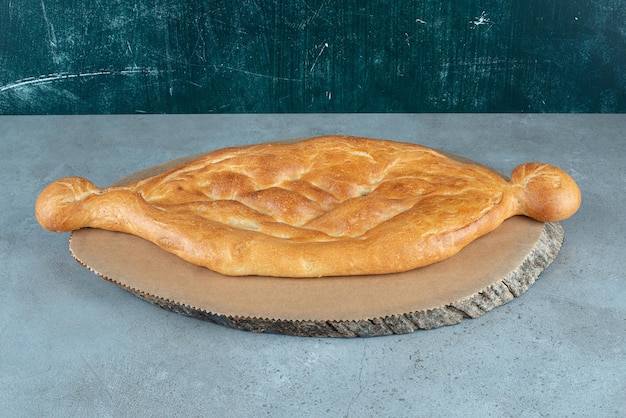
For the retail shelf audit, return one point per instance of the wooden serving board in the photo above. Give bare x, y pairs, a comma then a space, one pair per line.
489, 272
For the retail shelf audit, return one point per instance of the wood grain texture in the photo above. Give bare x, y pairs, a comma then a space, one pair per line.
71, 57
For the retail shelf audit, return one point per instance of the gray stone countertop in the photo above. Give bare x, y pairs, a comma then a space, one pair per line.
72, 344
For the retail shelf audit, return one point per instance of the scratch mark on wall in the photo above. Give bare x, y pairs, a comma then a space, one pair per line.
200, 46
481, 20
52, 38
50, 78
318, 56
314, 16
168, 60
239, 70
407, 38
317, 12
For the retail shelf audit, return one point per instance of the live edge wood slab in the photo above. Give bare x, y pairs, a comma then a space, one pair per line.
489, 272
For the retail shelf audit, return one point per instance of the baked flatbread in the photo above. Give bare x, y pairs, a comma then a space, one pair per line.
325, 206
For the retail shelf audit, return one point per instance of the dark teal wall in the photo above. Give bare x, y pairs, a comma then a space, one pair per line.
227, 56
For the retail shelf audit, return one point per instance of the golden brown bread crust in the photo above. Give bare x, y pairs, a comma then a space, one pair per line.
326, 206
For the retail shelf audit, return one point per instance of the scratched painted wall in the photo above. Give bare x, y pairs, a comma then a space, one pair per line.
225, 56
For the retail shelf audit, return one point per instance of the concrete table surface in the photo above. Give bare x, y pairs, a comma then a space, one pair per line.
72, 344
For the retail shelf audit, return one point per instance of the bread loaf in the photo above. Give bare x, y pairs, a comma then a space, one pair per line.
326, 206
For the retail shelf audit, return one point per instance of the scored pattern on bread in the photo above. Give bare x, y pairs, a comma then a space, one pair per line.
325, 206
